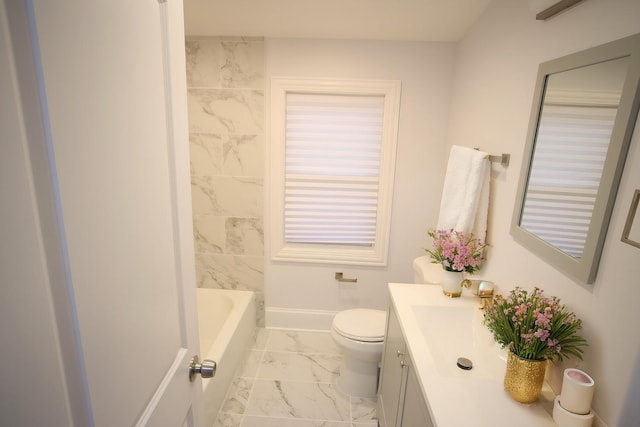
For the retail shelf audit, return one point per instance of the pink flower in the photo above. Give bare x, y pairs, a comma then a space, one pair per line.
541, 334
521, 310
543, 319
533, 326
457, 251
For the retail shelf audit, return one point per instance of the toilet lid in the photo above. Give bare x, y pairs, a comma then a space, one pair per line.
361, 324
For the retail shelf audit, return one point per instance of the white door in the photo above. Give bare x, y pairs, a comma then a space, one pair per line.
111, 86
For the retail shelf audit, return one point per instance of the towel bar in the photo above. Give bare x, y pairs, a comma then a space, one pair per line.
503, 159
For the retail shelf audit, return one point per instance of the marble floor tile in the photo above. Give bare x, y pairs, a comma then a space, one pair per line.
363, 410
316, 401
307, 367
228, 420
237, 398
251, 421
301, 342
289, 380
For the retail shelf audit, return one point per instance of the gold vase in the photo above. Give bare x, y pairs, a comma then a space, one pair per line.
523, 378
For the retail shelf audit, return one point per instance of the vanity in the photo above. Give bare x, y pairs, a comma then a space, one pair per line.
420, 382
583, 115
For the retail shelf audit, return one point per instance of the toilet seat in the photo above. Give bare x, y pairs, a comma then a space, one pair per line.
361, 324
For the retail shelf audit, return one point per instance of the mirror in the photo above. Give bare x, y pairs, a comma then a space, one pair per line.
584, 110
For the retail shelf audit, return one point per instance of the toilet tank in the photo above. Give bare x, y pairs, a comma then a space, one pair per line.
425, 271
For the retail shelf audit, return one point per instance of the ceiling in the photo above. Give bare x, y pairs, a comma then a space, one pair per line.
424, 20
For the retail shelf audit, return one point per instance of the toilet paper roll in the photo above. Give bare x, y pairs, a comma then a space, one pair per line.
577, 391
564, 418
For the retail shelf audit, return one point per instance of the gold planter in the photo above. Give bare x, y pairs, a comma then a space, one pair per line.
523, 378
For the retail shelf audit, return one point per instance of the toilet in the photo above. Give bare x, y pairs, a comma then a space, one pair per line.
359, 334
425, 271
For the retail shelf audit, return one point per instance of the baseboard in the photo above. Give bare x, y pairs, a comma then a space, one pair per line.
291, 318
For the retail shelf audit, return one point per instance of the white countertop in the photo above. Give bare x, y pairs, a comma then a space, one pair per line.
461, 401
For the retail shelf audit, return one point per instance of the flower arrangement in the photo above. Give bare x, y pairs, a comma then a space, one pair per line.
457, 251
533, 326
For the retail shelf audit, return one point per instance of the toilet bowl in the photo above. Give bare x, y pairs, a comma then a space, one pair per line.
359, 334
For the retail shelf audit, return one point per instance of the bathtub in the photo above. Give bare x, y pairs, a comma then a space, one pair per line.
226, 321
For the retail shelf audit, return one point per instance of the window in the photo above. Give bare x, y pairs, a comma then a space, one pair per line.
332, 164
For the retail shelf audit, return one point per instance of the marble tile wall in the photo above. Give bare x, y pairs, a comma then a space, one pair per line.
225, 79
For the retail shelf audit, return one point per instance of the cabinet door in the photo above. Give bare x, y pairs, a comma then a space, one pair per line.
414, 412
392, 378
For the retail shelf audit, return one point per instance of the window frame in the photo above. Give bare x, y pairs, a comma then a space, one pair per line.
375, 255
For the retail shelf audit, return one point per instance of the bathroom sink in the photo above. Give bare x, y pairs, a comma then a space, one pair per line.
438, 330
451, 332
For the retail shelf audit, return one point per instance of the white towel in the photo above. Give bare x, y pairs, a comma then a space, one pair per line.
465, 195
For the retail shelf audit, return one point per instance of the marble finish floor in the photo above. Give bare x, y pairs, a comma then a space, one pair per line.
289, 379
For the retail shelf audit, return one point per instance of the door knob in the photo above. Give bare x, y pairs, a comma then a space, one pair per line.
206, 369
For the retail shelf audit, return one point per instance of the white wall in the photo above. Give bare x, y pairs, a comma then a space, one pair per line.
425, 70
490, 96
496, 66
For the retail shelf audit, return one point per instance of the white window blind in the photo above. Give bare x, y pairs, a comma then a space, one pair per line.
332, 159
332, 168
571, 147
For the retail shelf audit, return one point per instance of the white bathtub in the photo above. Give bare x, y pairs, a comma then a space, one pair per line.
227, 321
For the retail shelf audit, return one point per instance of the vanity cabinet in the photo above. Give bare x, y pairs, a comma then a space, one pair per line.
414, 409
400, 399
393, 374
418, 385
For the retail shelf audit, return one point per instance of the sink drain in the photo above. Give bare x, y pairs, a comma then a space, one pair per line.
464, 363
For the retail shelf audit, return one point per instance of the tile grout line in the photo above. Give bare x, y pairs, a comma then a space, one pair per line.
252, 378
255, 374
